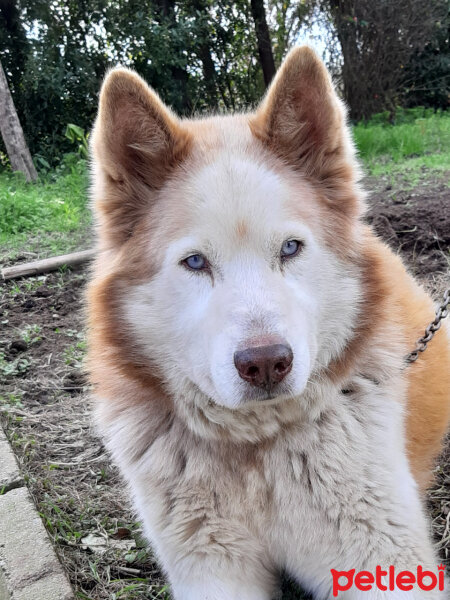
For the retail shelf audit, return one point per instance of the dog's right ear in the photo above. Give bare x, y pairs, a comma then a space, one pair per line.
135, 135
136, 142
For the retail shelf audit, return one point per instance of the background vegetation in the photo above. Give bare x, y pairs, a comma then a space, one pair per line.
202, 55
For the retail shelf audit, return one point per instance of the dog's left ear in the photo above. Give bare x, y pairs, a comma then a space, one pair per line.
302, 120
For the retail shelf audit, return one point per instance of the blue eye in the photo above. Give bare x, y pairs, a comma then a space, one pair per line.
290, 248
196, 262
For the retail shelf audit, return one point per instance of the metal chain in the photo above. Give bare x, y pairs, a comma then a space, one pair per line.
441, 313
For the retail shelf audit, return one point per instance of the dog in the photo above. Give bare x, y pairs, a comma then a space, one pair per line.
247, 334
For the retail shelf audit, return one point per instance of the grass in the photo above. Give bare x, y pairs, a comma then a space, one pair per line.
46, 217
419, 138
413, 169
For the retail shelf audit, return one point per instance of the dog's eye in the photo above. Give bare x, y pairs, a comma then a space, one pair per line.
290, 248
196, 262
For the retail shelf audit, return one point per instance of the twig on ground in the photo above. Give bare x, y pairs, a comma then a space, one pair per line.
47, 264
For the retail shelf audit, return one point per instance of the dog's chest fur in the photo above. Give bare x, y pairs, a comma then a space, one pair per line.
332, 471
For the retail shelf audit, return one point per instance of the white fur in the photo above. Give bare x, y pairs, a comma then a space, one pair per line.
333, 488
306, 302
357, 506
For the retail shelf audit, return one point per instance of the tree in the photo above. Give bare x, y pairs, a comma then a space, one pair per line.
12, 133
166, 16
198, 54
263, 37
204, 48
378, 39
13, 40
426, 80
285, 19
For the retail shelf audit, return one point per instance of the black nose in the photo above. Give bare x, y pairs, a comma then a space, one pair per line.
264, 366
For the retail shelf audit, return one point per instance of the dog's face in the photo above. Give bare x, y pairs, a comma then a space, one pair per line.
245, 228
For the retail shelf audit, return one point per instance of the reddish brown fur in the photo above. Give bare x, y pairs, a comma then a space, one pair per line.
301, 121
139, 144
241, 229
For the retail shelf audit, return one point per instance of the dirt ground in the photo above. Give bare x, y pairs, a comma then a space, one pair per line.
46, 412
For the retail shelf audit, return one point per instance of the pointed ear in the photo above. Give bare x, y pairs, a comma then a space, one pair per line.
136, 142
303, 121
135, 135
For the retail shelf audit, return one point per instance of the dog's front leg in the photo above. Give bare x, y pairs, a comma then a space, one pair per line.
220, 577
208, 586
220, 561
392, 572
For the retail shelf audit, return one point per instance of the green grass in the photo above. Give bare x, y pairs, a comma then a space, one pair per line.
50, 214
414, 170
418, 135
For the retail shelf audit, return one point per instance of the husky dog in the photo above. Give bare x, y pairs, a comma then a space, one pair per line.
247, 341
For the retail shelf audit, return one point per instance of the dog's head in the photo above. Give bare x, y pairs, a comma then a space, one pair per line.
228, 243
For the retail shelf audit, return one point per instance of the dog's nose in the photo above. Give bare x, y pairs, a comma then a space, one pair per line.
264, 366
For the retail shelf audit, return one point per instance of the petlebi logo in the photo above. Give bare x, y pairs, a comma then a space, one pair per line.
389, 579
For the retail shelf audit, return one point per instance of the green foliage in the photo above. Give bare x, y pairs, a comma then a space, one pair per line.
401, 116
57, 202
199, 55
416, 131
13, 368
427, 76
14, 43
286, 20
77, 136
31, 334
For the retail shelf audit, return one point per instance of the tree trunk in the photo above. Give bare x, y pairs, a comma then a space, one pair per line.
378, 39
166, 9
263, 37
204, 53
15, 44
12, 133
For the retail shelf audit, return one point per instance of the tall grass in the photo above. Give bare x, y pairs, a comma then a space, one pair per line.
56, 202
416, 132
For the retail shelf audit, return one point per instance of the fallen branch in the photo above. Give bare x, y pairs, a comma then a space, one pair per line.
47, 264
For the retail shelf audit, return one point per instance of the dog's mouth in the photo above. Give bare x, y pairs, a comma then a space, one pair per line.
244, 394
269, 394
